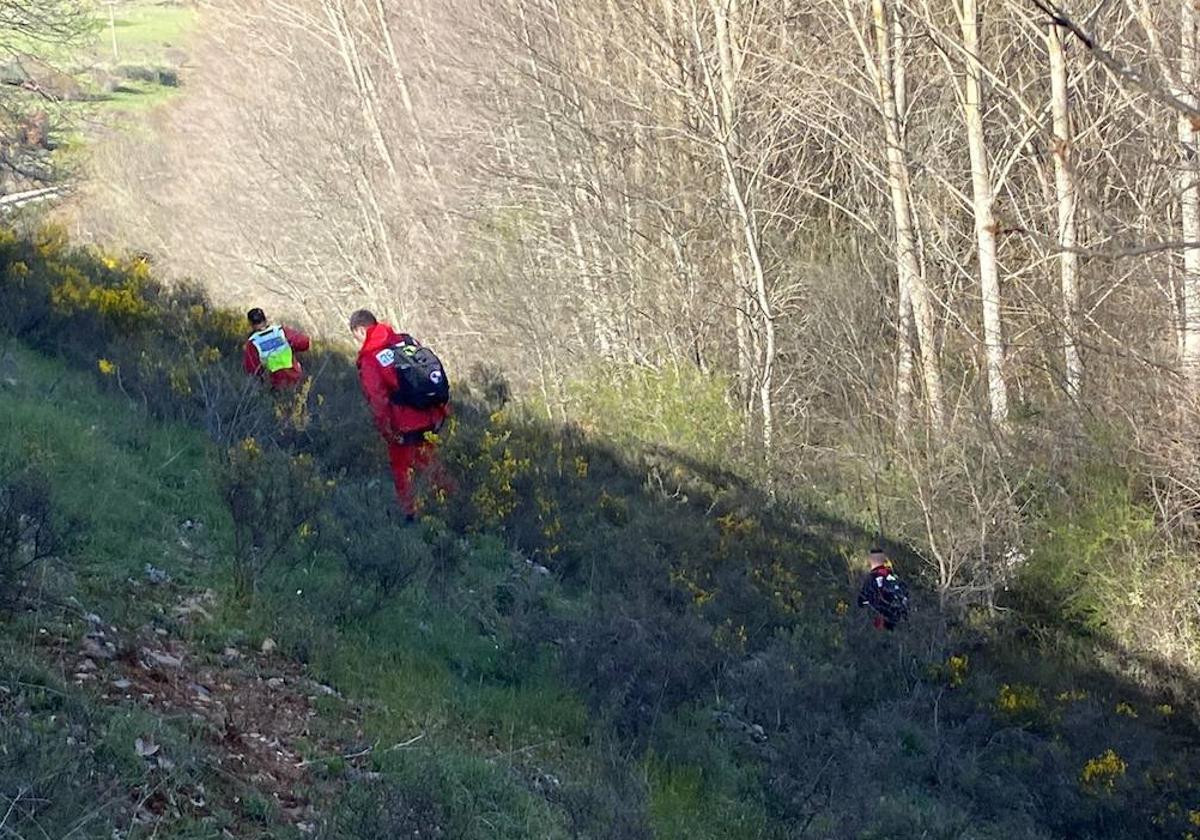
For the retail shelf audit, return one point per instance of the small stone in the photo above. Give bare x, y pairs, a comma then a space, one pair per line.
165, 660
155, 575
268, 645
122, 684
95, 650
93, 619
87, 665
275, 682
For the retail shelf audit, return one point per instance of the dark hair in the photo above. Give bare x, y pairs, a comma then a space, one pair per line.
255, 316
362, 318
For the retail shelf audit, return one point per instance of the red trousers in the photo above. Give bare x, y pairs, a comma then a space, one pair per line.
410, 461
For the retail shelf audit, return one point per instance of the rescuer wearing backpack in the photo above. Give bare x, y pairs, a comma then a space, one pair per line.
271, 352
409, 396
884, 592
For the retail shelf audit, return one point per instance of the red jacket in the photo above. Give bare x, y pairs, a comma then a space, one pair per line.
379, 382
288, 377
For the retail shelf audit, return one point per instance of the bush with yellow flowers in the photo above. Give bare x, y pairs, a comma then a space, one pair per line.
1101, 774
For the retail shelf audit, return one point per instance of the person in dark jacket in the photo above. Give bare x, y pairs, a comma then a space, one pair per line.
409, 432
271, 352
883, 592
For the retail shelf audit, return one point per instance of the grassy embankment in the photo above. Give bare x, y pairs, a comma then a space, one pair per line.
584, 641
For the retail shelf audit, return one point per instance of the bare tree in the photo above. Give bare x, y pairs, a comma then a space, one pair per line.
1064, 183
985, 220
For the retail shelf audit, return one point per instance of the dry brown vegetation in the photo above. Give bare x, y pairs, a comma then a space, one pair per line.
944, 255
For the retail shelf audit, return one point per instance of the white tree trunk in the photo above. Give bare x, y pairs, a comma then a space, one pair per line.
912, 293
1064, 187
985, 223
744, 225
1189, 192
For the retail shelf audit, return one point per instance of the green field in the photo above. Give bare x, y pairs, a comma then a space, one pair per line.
141, 39
129, 60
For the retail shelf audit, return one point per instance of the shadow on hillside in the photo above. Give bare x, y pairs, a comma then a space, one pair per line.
698, 617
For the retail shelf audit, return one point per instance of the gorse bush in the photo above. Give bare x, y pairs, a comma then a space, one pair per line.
168, 350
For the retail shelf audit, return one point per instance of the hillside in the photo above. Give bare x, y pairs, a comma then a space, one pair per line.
74, 77
232, 634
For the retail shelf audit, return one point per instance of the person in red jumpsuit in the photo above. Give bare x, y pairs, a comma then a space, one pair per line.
271, 352
407, 431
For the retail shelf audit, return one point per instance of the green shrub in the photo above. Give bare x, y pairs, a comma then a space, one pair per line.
1091, 548
28, 535
364, 527
675, 406
382, 810
273, 498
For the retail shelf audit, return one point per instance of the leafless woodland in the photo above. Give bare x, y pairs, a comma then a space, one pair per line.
947, 248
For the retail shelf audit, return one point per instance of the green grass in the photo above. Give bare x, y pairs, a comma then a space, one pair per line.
146, 31
125, 483
680, 670
144, 28
418, 667
686, 805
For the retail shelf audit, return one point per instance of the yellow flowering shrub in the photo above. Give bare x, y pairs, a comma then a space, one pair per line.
1018, 700
731, 637
1101, 774
123, 305
781, 582
700, 595
496, 498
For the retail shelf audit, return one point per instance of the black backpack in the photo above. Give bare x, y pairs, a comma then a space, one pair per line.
887, 595
421, 379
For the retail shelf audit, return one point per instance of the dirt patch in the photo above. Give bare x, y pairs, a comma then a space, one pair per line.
256, 712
